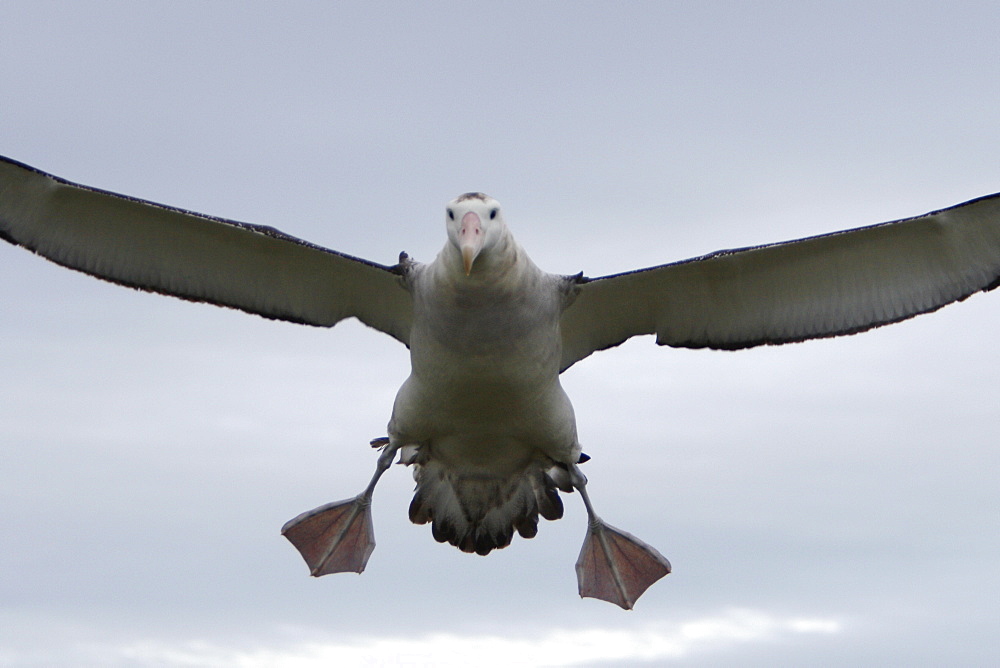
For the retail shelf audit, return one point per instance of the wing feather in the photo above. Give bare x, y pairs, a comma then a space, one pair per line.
828, 285
201, 258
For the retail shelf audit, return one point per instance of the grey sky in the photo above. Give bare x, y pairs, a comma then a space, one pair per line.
830, 503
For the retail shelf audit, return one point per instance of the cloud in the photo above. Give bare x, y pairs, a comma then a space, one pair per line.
662, 641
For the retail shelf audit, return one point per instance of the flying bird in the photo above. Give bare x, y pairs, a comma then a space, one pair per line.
482, 418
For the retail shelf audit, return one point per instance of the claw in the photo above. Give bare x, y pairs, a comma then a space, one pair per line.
617, 567
335, 538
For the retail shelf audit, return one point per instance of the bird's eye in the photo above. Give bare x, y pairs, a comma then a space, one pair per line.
451, 214
493, 213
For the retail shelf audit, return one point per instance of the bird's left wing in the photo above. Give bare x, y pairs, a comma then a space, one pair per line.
834, 284
201, 258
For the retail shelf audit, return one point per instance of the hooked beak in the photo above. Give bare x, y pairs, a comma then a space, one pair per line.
470, 239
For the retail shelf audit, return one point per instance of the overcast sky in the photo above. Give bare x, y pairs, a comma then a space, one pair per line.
832, 502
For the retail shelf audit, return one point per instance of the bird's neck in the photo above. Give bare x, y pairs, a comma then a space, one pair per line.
503, 262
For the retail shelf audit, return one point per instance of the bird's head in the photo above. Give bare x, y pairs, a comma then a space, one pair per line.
475, 224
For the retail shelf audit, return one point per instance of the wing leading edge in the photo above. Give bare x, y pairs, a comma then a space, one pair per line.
823, 286
162, 249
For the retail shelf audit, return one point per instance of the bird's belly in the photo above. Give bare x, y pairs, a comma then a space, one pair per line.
484, 381
486, 411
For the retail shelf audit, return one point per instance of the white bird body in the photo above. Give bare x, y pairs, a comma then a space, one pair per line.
480, 348
482, 417
483, 400
485, 363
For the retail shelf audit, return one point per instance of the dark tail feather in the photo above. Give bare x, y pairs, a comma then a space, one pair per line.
480, 512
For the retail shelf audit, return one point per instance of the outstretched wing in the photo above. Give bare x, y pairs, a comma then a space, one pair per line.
162, 249
822, 286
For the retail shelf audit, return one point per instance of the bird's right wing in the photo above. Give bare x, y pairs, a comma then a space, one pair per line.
196, 257
822, 286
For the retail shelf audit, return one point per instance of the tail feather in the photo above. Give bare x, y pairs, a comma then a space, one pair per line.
479, 512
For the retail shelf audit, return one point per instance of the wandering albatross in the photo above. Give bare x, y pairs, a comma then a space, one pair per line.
482, 417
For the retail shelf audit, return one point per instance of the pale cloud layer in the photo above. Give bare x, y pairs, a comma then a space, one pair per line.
674, 642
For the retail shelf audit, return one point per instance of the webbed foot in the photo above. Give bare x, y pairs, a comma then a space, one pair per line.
614, 565
335, 538
617, 567
339, 537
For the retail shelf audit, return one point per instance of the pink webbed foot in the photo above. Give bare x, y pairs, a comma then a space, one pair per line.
614, 565
335, 538
339, 537
617, 567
